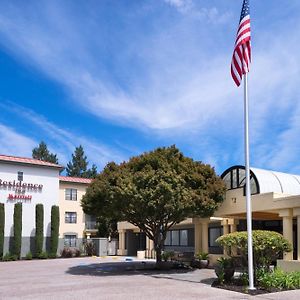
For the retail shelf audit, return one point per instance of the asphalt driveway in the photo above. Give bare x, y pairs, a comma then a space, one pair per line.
110, 278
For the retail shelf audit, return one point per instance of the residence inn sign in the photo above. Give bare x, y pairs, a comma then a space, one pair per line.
19, 191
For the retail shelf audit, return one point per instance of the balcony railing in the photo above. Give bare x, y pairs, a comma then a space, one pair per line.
91, 225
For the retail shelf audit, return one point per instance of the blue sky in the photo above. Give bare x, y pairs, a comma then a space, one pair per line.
124, 77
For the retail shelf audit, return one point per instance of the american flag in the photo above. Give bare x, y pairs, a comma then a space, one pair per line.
242, 49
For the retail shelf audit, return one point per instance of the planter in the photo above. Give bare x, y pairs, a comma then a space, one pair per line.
204, 263
200, 263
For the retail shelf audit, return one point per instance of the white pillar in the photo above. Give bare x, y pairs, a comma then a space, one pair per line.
287, 228
150, 252
204, 234
121, 250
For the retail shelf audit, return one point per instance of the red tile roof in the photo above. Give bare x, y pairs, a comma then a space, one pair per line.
75, 179
29, 161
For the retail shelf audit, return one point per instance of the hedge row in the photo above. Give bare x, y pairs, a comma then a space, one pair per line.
39, 234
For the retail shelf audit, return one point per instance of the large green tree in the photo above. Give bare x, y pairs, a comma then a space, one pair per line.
41, 152
78, 166
155, 191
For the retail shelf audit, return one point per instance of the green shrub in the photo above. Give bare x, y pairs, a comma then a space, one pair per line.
278, 279
202, 255
54, 229
28, 256
17, 230
267, 246
6, 257
224, 269
39, 229
167, 255
9, 257
43, 255
2, 224
52, 255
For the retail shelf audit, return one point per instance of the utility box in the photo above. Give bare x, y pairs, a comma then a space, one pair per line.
112, 247
101, 246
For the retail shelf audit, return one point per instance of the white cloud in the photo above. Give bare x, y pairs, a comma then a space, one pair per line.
59, 141
182, 5
175, 95
190, 8
14, 143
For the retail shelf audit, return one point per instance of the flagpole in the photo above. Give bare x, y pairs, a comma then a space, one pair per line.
248, 190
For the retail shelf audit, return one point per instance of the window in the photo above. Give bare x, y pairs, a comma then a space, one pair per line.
214, 233
236, 178
70, 217
20, 176
71, 194
177, 238
70, 240
183, 238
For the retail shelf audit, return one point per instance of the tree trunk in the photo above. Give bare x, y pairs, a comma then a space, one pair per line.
158, 251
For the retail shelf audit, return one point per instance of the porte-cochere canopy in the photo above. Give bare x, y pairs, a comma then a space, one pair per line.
262, 181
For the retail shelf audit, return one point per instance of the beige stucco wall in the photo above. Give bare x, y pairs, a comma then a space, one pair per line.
71, 206
235, 203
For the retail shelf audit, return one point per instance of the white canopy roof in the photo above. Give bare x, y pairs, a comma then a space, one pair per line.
277, 182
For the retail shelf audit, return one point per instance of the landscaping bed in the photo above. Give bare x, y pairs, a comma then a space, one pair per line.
237, 285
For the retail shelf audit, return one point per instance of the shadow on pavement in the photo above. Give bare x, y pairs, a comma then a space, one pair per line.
142, 268
122, 268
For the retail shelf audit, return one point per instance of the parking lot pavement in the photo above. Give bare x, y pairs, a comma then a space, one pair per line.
109, 278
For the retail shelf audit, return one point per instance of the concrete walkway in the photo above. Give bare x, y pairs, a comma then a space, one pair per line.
110, 278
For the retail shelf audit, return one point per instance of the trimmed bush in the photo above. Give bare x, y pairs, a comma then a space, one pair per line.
39, 229
167, 255
67, 252
43, 255
54, 229
17, 230
267, 246
2, 224
70, 252
52, 255
9, 257
28, 256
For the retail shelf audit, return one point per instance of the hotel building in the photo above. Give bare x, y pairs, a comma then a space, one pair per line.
31, 182
275, 206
